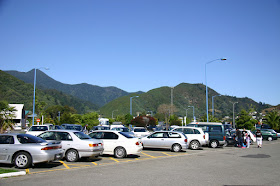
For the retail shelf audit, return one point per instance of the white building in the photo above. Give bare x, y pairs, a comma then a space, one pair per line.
19, 116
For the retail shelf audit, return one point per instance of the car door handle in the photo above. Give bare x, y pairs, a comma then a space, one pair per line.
162, 139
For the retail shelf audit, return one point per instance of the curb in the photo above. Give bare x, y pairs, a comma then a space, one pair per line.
20, 173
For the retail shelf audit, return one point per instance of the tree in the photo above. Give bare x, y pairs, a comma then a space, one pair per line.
210, 118
144, 121
273, 120
6, 116
166, 110
245, 120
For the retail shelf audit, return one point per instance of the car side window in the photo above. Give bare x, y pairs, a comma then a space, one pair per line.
179, 129
7, 140
48, 136
196, 131
64, 136
159, 135
110, 135
188, 131
174, 135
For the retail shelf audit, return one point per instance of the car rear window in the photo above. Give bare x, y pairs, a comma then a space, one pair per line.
126, 135
81, 135
25, 138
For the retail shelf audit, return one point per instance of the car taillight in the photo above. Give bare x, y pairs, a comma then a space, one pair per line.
95, 145
203, 136
137, 143
224, 137
186, 140
50, 148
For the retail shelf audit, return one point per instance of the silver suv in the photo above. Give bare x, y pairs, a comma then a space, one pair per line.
196, 136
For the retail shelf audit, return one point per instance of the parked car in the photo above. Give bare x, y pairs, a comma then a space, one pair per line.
140, 131
176, 141
23, 150
196, 136
268, 134
119, 144
35, 130
72, 127
75, 144
217, 135
230, 140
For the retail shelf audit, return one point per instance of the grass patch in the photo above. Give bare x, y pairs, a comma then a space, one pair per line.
2, 171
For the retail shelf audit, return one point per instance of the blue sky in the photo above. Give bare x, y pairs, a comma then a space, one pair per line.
141, 45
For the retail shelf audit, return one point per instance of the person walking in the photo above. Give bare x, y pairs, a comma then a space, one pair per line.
239, 137
248, 140
259, 138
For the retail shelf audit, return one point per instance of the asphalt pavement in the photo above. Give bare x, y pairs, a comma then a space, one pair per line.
221, 166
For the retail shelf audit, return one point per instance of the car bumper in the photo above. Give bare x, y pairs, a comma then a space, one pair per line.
90, 152
135, 150
48, 156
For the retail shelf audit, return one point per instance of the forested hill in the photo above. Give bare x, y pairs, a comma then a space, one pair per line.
14, 90
92, 93
184, 95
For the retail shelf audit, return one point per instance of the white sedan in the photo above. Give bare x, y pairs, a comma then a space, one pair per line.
119, 144
75, 144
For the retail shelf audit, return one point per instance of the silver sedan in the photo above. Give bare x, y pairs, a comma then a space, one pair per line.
23, 150
176, 141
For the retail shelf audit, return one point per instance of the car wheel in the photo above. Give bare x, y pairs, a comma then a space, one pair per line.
176, 147
194, 145
72, 155
214, 144
120, 152
226, 143
22, 160
269, 138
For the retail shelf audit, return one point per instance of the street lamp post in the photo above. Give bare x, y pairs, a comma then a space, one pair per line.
233, 119
34, 92
213, 104
131, 103
113, 113
222, 59
186, 115
193, 112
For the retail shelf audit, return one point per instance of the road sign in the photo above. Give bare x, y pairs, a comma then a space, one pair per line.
38, 120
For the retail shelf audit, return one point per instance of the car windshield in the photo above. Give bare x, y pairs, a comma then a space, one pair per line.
26, 138
139, 130
126, 135
38, 128
81, 135
69, 127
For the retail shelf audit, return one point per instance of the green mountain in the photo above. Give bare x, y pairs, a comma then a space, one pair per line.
14, 90
184, 95
92, 93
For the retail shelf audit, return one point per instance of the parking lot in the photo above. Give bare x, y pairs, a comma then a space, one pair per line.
146, 154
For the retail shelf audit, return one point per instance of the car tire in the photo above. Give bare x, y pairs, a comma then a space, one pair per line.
269, 138
22, 160
214, 144
72, 155
226, 144
194, 145
176, 147
119, 152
